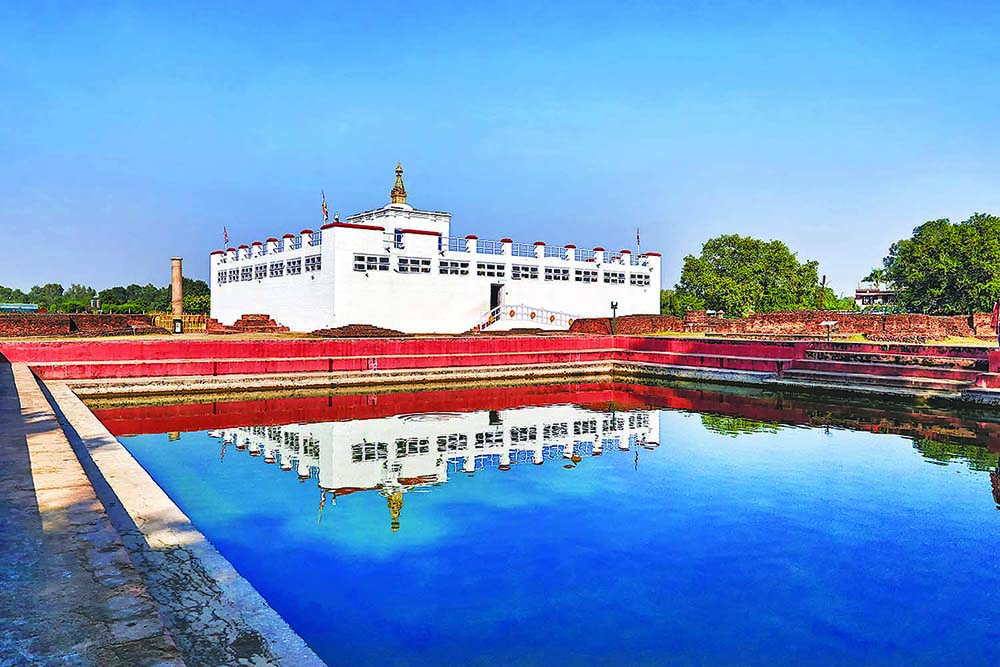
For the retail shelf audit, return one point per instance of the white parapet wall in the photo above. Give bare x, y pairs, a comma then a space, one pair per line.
396, 267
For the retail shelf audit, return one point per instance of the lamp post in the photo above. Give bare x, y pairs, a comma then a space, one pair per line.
614, 315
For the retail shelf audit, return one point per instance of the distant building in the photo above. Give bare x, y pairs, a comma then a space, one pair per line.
875, 295
18, 308
399, 267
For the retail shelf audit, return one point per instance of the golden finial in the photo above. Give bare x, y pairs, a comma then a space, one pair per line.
398, 192
395, 503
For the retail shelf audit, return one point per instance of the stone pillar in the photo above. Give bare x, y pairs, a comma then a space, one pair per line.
176, 286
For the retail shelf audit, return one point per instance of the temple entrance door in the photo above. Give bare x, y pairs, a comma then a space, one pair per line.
496, 292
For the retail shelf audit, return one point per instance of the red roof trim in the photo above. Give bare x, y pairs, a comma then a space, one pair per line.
425, 232
652, 254
472, 237
506, 240
625, 252
288, 236
347, 225
598, 249
306, 231
539, 242
230, 249
257, 243
570, 246
272, 240
217, 252
244, 247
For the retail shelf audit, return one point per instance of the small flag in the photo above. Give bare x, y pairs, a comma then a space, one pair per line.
326, 214
637, 238
225, 235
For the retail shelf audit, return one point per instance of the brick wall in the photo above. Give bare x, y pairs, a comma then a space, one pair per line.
627, 324
23, 325
903, 327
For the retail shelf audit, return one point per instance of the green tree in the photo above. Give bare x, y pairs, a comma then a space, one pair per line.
12, 295
742, 275
113, 296
81, 293
670, 303
197, 304
947, 268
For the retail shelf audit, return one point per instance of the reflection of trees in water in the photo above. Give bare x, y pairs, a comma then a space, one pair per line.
943, 453
736, 426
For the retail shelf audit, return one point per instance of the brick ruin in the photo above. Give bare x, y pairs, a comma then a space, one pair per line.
906, 328
25, 325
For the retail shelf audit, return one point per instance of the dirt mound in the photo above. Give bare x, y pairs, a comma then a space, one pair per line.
358, 331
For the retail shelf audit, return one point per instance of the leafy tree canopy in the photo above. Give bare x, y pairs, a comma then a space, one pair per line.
119, 299
742, 275
947, 268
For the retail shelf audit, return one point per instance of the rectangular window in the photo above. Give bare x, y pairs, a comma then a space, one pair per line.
221, 277
293, 267
585, 427
317, 239
490, 269
489, 438
585, 275
412, 446
523, 434
559, 430
523, 272
639, 279
246, 273
277, 269
260, 271
452, 267
614, 277
453, 442
296, 243
414, 265
369, 451
556, 273
280, 247
234, 275
314, 263
371, 262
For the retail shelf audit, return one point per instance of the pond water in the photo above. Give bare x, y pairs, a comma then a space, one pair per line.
596, 524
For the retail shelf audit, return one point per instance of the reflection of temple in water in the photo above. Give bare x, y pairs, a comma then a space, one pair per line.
395, 455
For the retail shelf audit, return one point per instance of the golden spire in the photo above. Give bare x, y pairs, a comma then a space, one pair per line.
395, 503
398, 192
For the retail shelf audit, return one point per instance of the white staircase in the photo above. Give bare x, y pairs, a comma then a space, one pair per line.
521, 316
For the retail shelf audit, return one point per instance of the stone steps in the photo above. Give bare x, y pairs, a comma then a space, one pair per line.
962, 363
855, 379
882, 369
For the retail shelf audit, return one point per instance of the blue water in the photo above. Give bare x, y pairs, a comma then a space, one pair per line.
778, 545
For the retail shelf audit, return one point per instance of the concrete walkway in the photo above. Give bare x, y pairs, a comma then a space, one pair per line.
69, 594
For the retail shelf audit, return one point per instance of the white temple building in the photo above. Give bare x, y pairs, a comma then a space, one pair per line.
400, 268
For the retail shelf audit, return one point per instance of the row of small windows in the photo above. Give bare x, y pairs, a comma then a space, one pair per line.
292, 267
313, 263
371, 262
414, 265
456, 442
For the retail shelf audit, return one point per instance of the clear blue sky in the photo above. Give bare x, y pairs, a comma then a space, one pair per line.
131, 132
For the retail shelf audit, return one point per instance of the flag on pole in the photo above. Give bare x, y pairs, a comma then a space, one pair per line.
326, 214
637, 246
225, 235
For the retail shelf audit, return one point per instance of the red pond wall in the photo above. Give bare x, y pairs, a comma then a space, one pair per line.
210, 357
